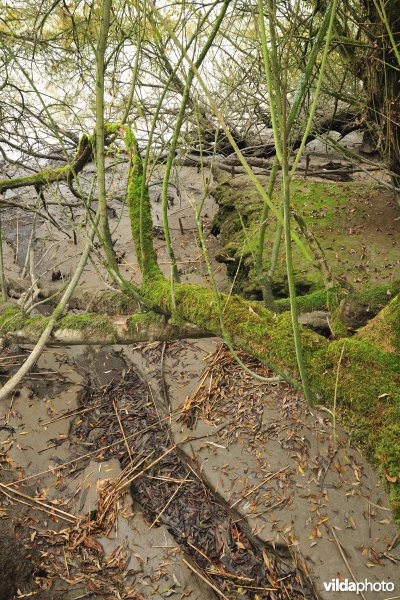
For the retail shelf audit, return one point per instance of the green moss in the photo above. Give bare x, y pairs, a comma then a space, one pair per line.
315, 301
368, 404
112, 128
11, 318
48, 176
114, 303
129, 138
36, 325
250, 326
349, 309
392, 320
140, 215
41, 178
388, 450
338, 215
144, 320
388, 455
364, 361
89, 324
384, 330
138, 200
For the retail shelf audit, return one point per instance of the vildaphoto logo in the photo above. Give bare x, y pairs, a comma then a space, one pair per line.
336, 585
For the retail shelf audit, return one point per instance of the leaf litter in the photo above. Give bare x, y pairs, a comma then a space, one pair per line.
222, 552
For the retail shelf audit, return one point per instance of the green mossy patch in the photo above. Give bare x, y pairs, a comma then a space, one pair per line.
89, 324
385, 330
114, 303
350, 220
314, 301
11, 318
140, 214
36, 325
349, 309
66, 173
41, 178
368, 405
144, 320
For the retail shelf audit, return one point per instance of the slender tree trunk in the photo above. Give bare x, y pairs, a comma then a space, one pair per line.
100, 134
3, 285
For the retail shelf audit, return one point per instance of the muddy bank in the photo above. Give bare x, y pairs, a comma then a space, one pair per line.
298, 483
111, 507
221, 482
38, 445
56, 250
16, 567
82, 535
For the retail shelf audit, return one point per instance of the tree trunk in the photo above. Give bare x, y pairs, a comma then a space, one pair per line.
92, 328
381, 77
82, 157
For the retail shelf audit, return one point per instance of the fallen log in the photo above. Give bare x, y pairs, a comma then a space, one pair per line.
93, 328
357, 377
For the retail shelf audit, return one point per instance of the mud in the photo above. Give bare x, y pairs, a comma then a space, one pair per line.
234, 444
298, 489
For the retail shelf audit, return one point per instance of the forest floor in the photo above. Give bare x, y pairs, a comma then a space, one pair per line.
163, 470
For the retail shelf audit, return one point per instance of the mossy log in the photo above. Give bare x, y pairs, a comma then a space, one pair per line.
355, 308
384, 330
367, 389
67, 173
93, 328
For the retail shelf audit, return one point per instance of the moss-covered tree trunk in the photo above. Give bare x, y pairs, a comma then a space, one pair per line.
93, 328
82, 156
368, 390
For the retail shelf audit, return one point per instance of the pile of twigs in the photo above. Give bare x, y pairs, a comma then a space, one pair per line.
171, 493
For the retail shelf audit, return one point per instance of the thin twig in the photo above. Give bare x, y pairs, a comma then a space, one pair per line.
122, 431
205, 579
169, 501
270, 476
344, 558
48, 508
